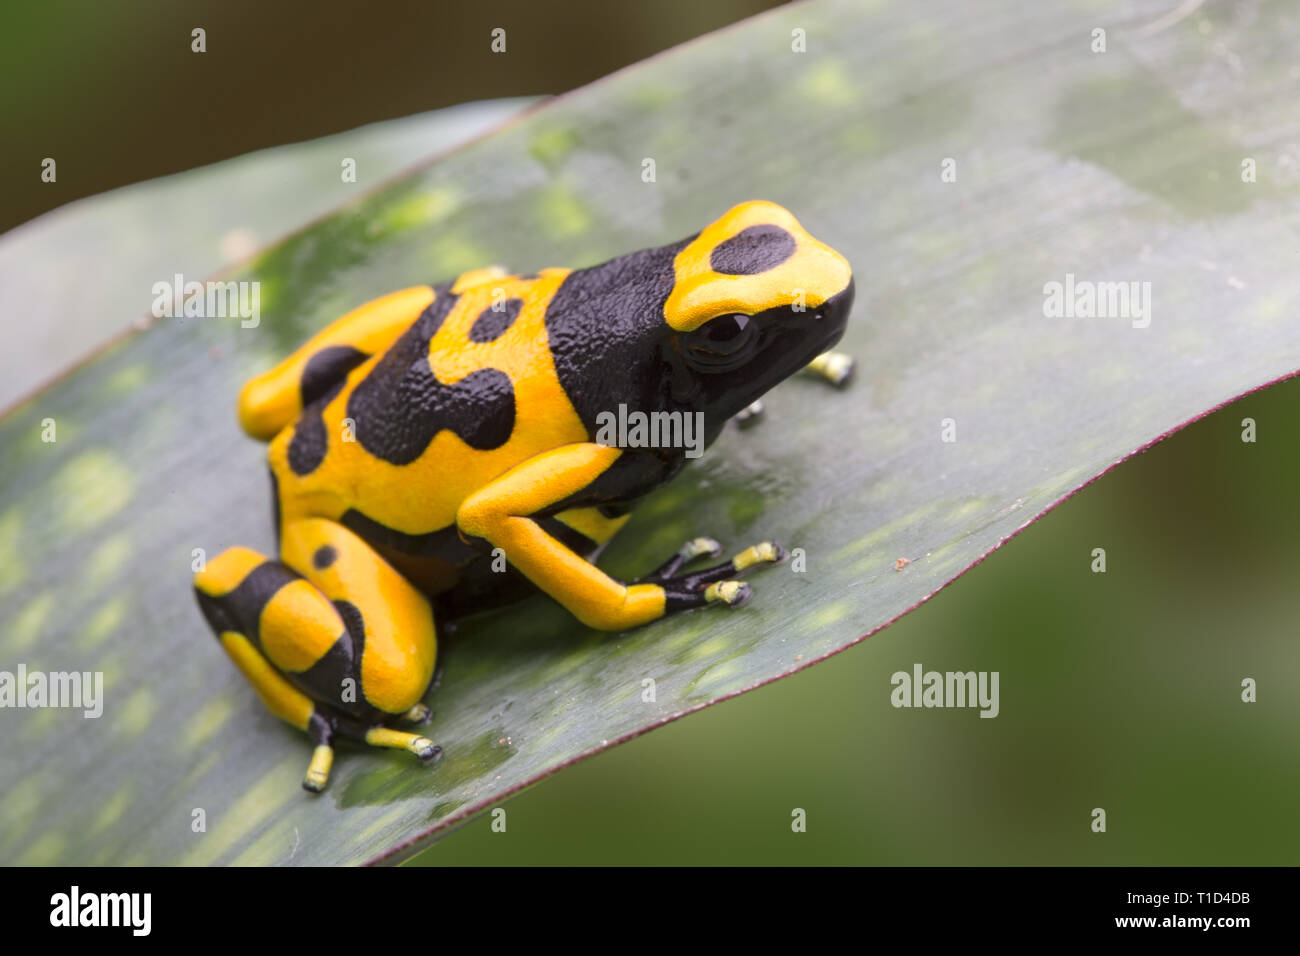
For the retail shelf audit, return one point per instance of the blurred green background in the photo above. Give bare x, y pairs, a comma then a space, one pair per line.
115, 95
1112, 685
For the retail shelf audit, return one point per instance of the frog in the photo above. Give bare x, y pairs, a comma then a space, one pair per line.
438, 451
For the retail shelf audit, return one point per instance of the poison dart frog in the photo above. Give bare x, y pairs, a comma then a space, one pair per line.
421, 438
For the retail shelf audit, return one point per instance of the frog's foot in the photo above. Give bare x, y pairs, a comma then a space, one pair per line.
716, 584
767, 552
422, 747
419, 714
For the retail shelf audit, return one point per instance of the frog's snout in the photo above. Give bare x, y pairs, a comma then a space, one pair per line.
832, 316
838, 306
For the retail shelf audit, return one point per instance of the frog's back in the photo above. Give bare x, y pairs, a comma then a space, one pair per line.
465, 392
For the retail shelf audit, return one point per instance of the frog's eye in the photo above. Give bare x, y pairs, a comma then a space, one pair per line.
723, 336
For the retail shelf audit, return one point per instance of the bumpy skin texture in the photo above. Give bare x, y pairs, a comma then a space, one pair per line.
416, 435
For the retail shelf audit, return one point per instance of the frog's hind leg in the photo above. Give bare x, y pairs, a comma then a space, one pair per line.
272, 622
391, 625
304, 649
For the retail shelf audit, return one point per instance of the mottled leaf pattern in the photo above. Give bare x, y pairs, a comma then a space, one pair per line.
1122, 166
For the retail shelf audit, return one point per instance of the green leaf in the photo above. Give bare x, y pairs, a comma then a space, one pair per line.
1116, 166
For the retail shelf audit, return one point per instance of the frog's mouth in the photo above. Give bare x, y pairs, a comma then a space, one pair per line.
793, 339
834, 315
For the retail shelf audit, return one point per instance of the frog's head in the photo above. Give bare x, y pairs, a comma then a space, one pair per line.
755, 298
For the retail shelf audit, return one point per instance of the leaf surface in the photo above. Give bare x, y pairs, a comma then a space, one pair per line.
1123, 166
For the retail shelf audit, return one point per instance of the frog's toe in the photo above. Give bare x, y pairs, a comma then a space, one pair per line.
428, 751
836, 367
700, 548
731, 593
422, 747
419, 714
765, 552
690, 551
318, 772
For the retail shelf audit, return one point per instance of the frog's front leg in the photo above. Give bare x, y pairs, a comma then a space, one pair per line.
505, 514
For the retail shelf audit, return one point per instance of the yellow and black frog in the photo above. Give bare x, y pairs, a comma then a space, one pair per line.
432, 437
